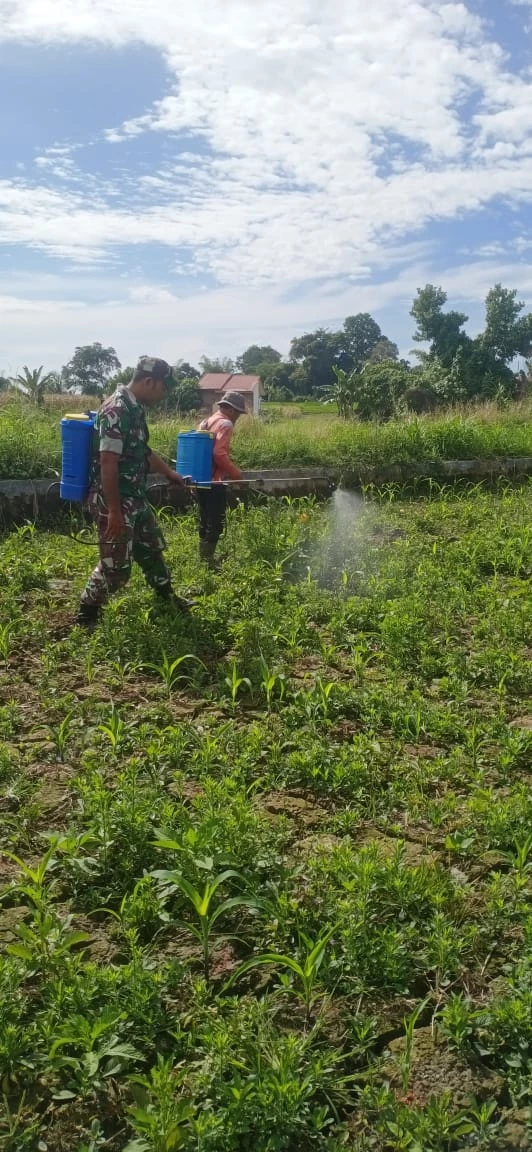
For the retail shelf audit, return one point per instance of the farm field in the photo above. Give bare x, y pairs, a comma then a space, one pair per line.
288, 436
266, 873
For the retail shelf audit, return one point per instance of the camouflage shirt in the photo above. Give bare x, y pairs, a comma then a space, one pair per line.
120, 427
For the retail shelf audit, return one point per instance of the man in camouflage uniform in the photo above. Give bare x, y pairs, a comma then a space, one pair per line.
127, 527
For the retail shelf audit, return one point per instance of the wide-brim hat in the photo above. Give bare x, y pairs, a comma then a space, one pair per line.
234, 400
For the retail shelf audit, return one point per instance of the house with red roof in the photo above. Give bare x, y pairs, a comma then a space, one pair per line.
213, 385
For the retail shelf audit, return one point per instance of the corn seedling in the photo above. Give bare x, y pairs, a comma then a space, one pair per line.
202, 904
60, 733
406, 1056
235, 682
306, 972
271, 682
169, 670
115, 730
6, 641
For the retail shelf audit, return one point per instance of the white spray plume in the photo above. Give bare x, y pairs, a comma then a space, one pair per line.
344, 541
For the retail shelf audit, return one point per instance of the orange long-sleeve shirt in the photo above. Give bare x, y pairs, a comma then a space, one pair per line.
223, 467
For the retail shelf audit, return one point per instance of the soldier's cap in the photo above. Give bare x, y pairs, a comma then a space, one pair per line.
234, 400
158, 369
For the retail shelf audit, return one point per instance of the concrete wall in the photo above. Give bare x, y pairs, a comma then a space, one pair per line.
23, 500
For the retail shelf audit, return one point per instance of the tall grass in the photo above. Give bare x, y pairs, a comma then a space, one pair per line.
30, 442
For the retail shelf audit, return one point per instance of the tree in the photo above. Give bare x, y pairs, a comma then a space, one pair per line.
275, 377
370, 393
506, 334
379, 388
319, 353
182, 370
316, 354
442, 330
54, 383
34, 383
462, 368
384, 350
90, 368
186, 396
4, 384
216, 364
255, 355
119, 379
361, 336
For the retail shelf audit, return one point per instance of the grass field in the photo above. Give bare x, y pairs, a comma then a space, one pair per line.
267, 873
288, 437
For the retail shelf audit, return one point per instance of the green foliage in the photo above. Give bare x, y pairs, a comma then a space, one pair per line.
466, 368
255, 355
216, 364
90, 368
36, 384
218, 904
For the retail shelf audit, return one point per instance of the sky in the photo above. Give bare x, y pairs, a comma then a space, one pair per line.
180, 179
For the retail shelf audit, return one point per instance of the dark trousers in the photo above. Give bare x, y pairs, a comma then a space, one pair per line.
212, 509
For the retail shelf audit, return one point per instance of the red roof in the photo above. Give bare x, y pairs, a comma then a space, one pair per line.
225, 381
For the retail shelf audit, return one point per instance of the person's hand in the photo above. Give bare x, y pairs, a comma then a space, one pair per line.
176, 478
116, 526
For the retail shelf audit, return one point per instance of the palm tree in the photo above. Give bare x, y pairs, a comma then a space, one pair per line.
34, 383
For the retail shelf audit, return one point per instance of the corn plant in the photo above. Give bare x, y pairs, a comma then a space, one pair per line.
520, 860
234, 683
35, 884
60, 733
201, 903
168, 670
270, 682
405, 1057
306, 972
115, 730
6, 640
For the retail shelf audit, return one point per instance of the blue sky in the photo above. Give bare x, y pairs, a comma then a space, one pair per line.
195, 181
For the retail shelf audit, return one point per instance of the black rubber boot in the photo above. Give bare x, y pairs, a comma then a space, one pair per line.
166, 592
88, 616
206, 551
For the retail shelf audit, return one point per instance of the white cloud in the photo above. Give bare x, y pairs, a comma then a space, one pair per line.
309, 113
222, 321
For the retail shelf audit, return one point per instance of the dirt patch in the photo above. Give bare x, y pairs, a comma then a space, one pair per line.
515, 1134
524, 722
69, 1126
422, 751
9, 919
414, 852
435, 1069
304, 812
318, 844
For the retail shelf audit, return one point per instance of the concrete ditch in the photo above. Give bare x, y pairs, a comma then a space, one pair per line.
39, 500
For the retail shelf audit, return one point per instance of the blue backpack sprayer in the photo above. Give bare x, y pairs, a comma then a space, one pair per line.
194, 455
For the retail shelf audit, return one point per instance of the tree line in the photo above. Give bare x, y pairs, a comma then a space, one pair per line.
356, 367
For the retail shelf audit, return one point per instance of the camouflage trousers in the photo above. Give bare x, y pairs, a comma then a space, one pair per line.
143, 542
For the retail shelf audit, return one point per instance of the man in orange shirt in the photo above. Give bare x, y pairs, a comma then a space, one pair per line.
213, 501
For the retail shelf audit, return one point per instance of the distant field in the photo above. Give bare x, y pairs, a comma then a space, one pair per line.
287, 436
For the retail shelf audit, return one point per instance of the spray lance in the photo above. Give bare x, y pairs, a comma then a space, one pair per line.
194, 461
